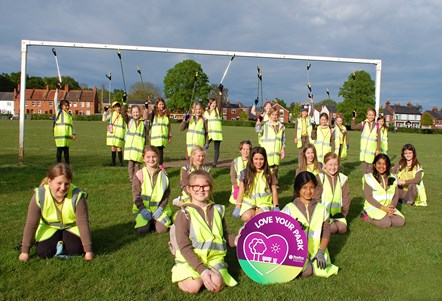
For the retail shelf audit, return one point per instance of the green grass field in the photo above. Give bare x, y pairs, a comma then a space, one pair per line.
375, 264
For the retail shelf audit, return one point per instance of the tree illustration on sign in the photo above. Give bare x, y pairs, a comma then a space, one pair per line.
257, 248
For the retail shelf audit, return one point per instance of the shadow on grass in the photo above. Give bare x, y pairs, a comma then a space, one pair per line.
350, 166
338, 241
112, 238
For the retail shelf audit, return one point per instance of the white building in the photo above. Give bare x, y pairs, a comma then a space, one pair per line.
6, 103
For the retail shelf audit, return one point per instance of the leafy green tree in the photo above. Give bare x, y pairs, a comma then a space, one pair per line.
214, 89
6, 83
426, 119
117, 95
180, 82
138, 91
35, 82
295, 111
358, 93
326, 102
65, 80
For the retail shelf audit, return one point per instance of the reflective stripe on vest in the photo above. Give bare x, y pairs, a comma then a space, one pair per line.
63, 129
214, 125
196, 134
259, 193
384, 197
51, 220
369, 140
308, 123
152, 195
135, 140
405, 174
272, 142
338, 132
332, 198
384, 140
322, 143
116, 138
159, 133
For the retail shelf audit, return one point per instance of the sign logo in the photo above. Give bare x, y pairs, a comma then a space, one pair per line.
272, 248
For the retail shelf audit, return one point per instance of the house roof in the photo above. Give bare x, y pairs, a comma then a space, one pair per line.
49, 95
435, 115
6, 96
397, 109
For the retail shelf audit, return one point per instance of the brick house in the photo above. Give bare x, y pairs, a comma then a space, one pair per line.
437, 118
402, 116
232, 111
41, 101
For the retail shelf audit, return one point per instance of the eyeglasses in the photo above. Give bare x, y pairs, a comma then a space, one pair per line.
196, 188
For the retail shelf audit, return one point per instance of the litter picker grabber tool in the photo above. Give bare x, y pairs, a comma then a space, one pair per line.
141, 78
122, 73
227, 69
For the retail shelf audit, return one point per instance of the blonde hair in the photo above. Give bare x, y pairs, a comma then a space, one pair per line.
59, 169
196, 104
195, 149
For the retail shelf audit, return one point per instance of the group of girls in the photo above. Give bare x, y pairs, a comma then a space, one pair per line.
58, 210
133, 133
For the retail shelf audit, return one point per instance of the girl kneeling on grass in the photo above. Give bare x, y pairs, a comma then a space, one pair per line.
410, 174
381, 195
335, 195
150, 190
313, 217
57, 213
196, 162
257, 188
201, 236
237, 166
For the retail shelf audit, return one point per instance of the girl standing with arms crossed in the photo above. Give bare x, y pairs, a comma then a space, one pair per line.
341, 137
135, 141
201, 223
335, 194
323, 137
196, 126
150, 190
381, 195
370, 141
196, 162
116, 129
313, 217
57, 212
214, 123
237, 166
161, 131
410, 173
257, 188
272, 138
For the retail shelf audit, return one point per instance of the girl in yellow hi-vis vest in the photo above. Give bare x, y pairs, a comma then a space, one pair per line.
116, 129
381, 195
135, 140
196, 126
370, 139
150, 190
237, 166
160, 129
57, 218
323, 137
257, 187
272, 138
335, 194
383, 131
64, 132
309, 161
341, 137
196, 162
410, 173
201, 238
304, 127
214, 117
312, 217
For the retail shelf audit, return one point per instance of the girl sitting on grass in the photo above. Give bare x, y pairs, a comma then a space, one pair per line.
201, 237
150, 190
257, 187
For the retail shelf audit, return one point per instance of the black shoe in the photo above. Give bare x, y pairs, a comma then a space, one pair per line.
121, 164
112, 164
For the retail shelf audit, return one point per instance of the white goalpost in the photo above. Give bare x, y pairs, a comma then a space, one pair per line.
26, 43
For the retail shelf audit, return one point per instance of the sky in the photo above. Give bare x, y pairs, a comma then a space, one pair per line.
405, 35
